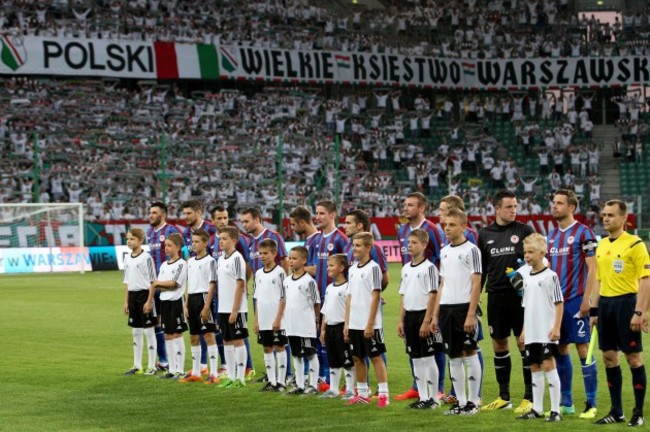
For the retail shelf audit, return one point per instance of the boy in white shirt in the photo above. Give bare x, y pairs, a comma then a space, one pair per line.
201, 276
171, 281
543, 307
455, 311
139, 272
233, 307
301, 316
364, 321
269, 310
418, 288
339, 352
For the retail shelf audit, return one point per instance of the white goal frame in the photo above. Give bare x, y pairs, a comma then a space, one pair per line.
79, 207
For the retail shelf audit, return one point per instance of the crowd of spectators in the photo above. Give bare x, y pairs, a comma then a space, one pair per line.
467, 29
117, 145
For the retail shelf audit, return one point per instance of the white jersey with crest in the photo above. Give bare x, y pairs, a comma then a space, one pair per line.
269, 291
230, 270
176, 271
417, 282
542, 292
362, 281
334, 304
200, 272
300, 295
139, 271
457, 265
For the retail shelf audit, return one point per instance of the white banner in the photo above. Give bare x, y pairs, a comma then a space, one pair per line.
31, 55
398, 70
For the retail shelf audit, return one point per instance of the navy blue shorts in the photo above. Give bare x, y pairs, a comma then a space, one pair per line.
614, 316
574, 330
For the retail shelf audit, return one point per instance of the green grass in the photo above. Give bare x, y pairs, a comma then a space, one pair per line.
65, 344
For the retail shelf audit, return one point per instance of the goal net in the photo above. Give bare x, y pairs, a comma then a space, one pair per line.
53, 226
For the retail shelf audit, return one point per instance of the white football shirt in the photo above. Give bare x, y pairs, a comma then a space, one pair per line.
176, 271
300, 295
457, 265
200, 272
334, 303
139, 271
541, 292
362, 281
231, 269
417, 283
269, 290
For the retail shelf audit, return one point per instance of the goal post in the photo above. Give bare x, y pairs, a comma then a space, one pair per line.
43, 225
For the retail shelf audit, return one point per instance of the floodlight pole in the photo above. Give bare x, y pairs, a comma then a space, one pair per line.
36, 189
337, 165
279, 153
163, 163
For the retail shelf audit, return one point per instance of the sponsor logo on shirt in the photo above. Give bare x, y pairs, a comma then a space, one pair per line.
508, 250
559, 251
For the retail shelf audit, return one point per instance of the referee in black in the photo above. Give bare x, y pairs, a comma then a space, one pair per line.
501, 244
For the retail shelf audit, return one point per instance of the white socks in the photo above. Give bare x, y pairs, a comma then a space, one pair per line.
299, 371
335, 379
538, 392
179, 351
137, 347
171, 358
152, 346
457, 372
213, 357
314, 366
229, 352
362, 389
282, 358
350, 380
421, 378
196, 360
473, 378
382, 388
240, 358
269, 364
432, 377
554, 389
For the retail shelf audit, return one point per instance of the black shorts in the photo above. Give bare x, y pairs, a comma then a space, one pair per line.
339, 352
270, 338
538, 352
416, 347
452, 326
302, 346
362, 347
137, 318
172, 316
614, 316
505, 314
236, 331
195, 304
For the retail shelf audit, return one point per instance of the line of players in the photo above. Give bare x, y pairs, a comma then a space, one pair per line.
428, 310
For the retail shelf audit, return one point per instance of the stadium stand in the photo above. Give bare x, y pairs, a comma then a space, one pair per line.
116, 143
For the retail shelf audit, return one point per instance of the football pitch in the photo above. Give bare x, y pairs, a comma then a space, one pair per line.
65, 345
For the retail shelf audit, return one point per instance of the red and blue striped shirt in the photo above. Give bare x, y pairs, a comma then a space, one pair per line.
436, 241
324, 246
376, 255
156, 241
188, 232
567, 251
254, 246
